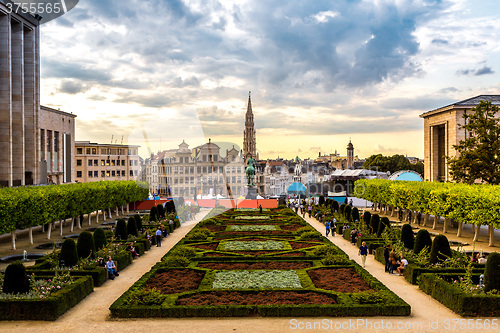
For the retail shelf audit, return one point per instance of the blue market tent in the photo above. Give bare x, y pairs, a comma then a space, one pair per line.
297, 189
407, 175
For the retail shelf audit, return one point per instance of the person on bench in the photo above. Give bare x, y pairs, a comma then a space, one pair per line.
111, 267
402, 265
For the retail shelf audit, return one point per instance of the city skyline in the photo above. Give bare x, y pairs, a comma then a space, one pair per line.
165, 71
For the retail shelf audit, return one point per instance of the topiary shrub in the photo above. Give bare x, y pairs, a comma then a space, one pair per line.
342, 208
15, 280
131, 226
367, 217
100, 239
161, 211
422, 240
183, 251
335, 205
321, 200
69, 253
407, 236
86, 245
176, 262
347, 212
355, 214
200, 234
384, 224
121, 229
138, 221
153, 214
374, 222
492, 272
440, 249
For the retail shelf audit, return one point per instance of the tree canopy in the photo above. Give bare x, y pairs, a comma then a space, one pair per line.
392, 163
479, 154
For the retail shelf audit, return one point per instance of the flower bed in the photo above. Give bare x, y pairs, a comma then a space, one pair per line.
176, 281
252, 227
302, 245
244, 217
209, 246
253, 245
256, 265
250, 233
256, 280
344, 280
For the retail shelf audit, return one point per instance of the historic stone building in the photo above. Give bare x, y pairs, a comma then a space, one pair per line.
19, 97
97, 161
249, 144
442, 131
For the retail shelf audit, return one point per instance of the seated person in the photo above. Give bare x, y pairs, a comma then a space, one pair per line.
402, 265
111, 267
131, 248
101, 262
482, 260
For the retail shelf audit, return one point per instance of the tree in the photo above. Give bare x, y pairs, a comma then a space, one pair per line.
85, 245
392, 164
479, 153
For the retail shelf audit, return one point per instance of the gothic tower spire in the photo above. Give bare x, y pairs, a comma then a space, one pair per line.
249, 145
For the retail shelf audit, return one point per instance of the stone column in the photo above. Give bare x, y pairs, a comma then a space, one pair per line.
5, 102
17, 64
31, 106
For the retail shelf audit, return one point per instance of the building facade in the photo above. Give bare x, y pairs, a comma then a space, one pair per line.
19, 97
442, 131
57, 146
95, 162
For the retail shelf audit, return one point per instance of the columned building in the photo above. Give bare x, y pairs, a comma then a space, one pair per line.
19, 96
442, 131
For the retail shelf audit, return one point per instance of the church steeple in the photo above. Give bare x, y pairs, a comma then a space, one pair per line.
249, 145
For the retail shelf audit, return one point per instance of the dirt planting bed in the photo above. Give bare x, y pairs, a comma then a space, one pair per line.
251, 233
291, 227
344, 280
176, 281
299, 245
215, 228
210, 246
282, 265
250, 298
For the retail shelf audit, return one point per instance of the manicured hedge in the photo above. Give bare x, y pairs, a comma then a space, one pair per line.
457, 300
49, 308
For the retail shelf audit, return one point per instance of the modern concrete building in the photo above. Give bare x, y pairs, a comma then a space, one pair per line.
96, 161
19, 97
442, 131
57, 146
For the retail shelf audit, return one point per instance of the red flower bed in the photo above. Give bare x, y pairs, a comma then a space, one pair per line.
260, 297
215, 228
344, 280
209, 246
252, 233
291, 227
176, 281
256, 265
298, 245
292, 254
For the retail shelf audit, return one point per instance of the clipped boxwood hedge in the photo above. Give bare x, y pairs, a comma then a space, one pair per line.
49, 308
463, 303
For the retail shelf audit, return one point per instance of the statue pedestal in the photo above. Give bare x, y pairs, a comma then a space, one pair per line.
250, 192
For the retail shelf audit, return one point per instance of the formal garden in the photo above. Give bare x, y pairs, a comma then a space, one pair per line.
246, 263
466, 287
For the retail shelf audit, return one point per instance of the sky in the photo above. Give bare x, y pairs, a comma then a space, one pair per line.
321, 73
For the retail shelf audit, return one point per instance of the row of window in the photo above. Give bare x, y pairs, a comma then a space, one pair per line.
106, 151
199, 169
107, 173
107, 162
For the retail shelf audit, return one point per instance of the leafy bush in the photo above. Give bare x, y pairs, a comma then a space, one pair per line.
138, 221
100, 239
145, 297
85, 245
183, 251
422, 240
407, 236
321, 200
335, 260
492, 272
153, 214
347, 212
121, 229
355, 214
368, 298
374, 222
326, 250
200, 234
310, 235
69, 252
304, 229
176, 261
342, 208
335, 206
367, 217
161, 211
16, 280
384, 224
440, 249
131, 226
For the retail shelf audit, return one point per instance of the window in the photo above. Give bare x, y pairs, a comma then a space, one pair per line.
238, 169
135, 172
96, 162
107, 173
204, 169
221, 169
198, 169
102, 163
112, 162
136, 162
90, 162
123, 173
107, 162
130, 162
239, 179
181, 159
123, 162
103, 174
79, 174
94, 151
78, 162
113, 173
204, 158
176, 181
79, 151
90, 174
234, 179
215, 158
191, 170
192, 180
87, 151
131, 172
96, 173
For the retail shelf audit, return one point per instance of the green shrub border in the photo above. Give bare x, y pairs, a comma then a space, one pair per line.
457, 300
49, 308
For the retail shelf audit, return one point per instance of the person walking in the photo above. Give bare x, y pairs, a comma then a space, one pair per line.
363, 252
392, 261
332, 227
387, 249
158, 237
327, 225
419, 217
309, 210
